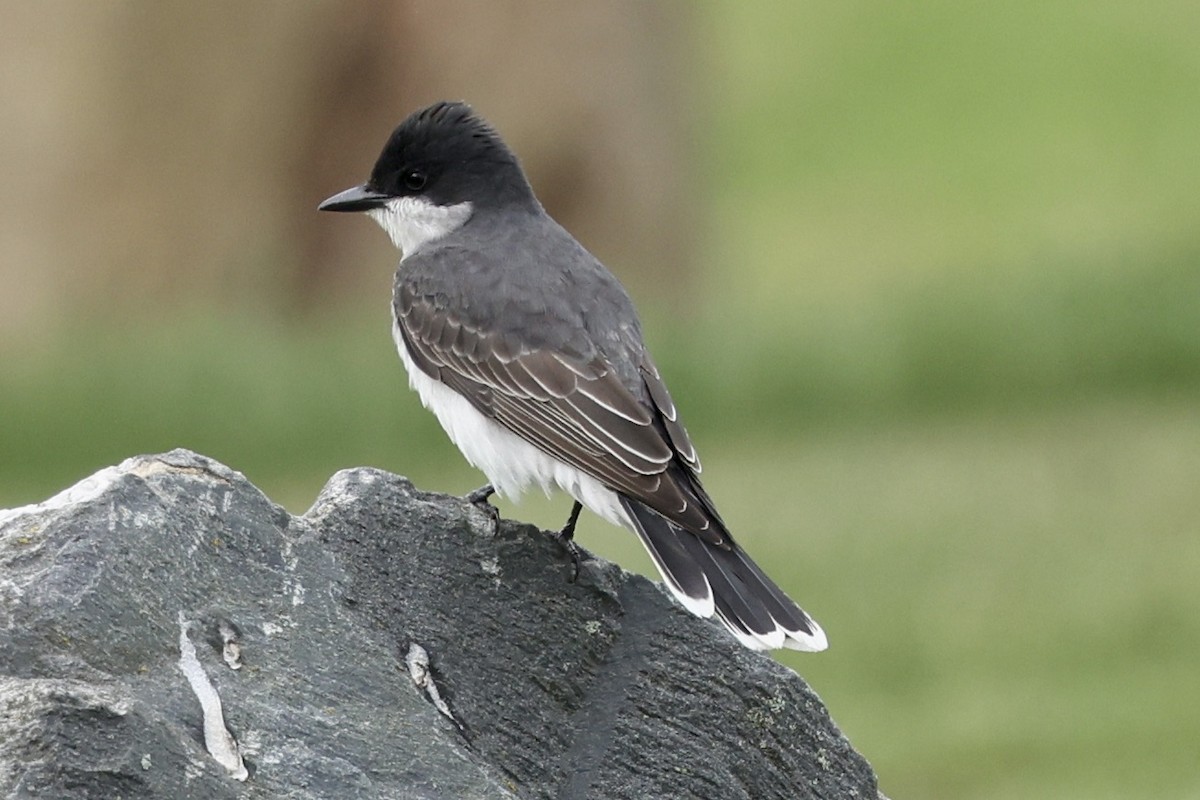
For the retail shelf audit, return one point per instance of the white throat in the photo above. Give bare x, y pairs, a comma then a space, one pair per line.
413, 222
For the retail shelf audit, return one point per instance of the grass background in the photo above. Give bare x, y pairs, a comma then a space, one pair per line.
943, 370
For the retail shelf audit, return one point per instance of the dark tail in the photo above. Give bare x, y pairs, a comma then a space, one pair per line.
721, 579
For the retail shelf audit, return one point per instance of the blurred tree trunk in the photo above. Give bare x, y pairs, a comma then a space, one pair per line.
166, 155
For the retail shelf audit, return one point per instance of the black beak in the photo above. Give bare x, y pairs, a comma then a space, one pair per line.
360, 198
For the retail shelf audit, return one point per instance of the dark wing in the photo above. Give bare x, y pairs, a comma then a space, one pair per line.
577, 410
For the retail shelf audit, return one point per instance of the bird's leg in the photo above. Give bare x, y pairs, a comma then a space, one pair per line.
566, 537
479, 499
568, 531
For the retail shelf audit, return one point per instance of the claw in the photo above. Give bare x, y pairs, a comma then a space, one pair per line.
479, 499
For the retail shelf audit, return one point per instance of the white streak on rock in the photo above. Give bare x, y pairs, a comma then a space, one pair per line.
217, 739
417, 662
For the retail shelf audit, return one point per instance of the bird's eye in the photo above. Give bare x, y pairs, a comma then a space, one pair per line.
415, 180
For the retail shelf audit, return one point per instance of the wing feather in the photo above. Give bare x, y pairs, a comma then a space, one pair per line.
666, 406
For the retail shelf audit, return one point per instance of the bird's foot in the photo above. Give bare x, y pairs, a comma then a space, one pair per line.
566, 538
479, 499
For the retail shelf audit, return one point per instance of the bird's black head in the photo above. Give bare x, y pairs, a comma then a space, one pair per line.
445, 155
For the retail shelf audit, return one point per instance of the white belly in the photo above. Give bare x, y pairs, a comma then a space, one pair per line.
510, 463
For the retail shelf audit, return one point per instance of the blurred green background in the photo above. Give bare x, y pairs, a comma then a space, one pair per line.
935, 327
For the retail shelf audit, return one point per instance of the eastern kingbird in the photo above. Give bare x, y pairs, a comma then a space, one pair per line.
530, 353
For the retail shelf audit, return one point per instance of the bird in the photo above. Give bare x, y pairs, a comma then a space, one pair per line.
530, 353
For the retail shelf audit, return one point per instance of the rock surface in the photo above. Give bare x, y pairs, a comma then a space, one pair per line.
166, 631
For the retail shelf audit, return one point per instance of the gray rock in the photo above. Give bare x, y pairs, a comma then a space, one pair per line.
166, 631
